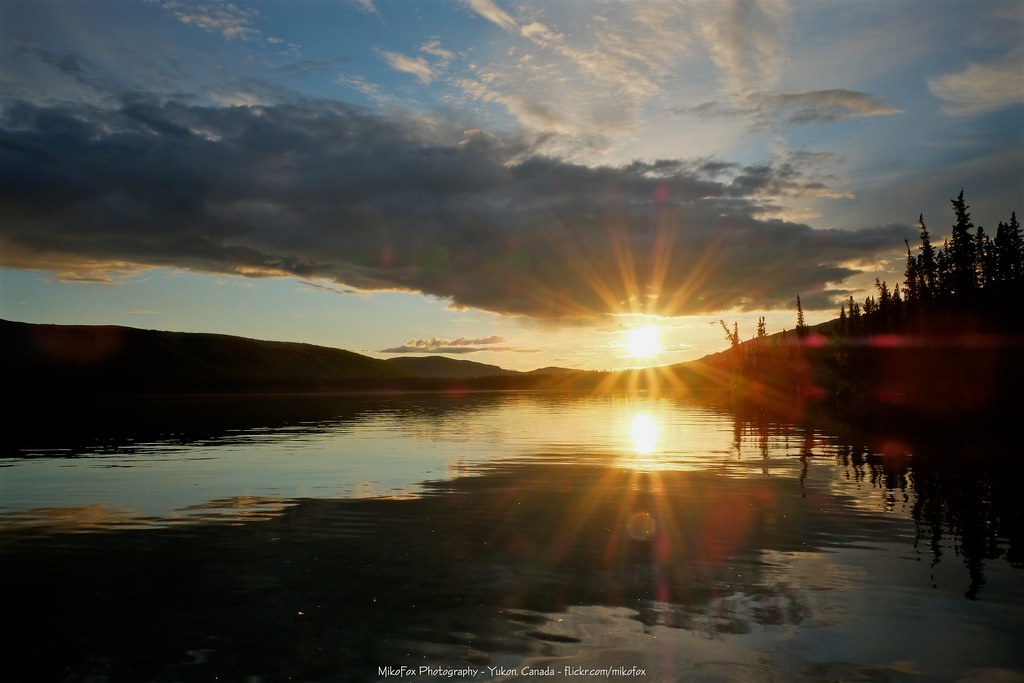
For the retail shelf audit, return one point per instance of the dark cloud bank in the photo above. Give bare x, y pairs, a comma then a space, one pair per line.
324, 189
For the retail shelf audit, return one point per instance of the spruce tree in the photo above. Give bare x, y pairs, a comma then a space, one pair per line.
943, 272
801, 328
884, 296
910, 276
986, 258
1004, 253
962, 251
898, 314
1016, 247
884, 310
927, 266
854, 321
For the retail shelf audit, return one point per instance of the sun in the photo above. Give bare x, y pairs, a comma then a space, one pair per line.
643, 342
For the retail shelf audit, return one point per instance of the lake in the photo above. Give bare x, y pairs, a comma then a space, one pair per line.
498, 537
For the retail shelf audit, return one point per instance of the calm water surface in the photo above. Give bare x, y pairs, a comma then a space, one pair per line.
313, 538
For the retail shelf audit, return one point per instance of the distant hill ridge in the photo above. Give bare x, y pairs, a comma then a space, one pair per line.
440, 366
107, 358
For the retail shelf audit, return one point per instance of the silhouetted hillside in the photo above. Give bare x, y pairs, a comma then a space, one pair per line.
553, 370
87, 359
111, 359
958, 360
441, 367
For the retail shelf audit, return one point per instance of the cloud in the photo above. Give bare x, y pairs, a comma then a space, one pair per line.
526, 109
237, 98
784, 180
373, 91
765, 109
365, 5
747, 43
417, 66
433, 47
819, 106
327, 287
327, 190
71, 65
492, 13
451, 346
590, 82
305, 66
982, 88
226, 18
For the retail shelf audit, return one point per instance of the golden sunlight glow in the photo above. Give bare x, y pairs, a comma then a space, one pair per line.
644, 431
643, 342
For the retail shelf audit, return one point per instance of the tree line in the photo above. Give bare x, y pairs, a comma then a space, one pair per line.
969, 270
948, 333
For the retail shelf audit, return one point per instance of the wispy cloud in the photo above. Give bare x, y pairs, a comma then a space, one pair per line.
982, 88
433, 47
237, 98
303, 67
526, 109
365, 5
767, 109
492, 13
371, 90
747, 41
449, 346
628, 54
327, 287
228, 19
71, 65
417, 66
589, 85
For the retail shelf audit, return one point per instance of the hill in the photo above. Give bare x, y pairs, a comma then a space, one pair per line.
553, 370
441, 367
107, 359
113, 359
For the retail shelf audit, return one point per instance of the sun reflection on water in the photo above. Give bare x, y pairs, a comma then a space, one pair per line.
644, 430
645, 441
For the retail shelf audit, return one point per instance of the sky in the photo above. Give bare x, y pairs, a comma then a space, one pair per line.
516, 183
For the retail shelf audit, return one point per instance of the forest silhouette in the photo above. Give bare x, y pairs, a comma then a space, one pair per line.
944, 342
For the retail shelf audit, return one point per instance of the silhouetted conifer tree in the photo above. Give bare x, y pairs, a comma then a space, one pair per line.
911, 276
927, 268
962, 251
1015, 248
870, 307
986, 258
801, 328
1004, 256
884, 295
943, 271
854, 321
